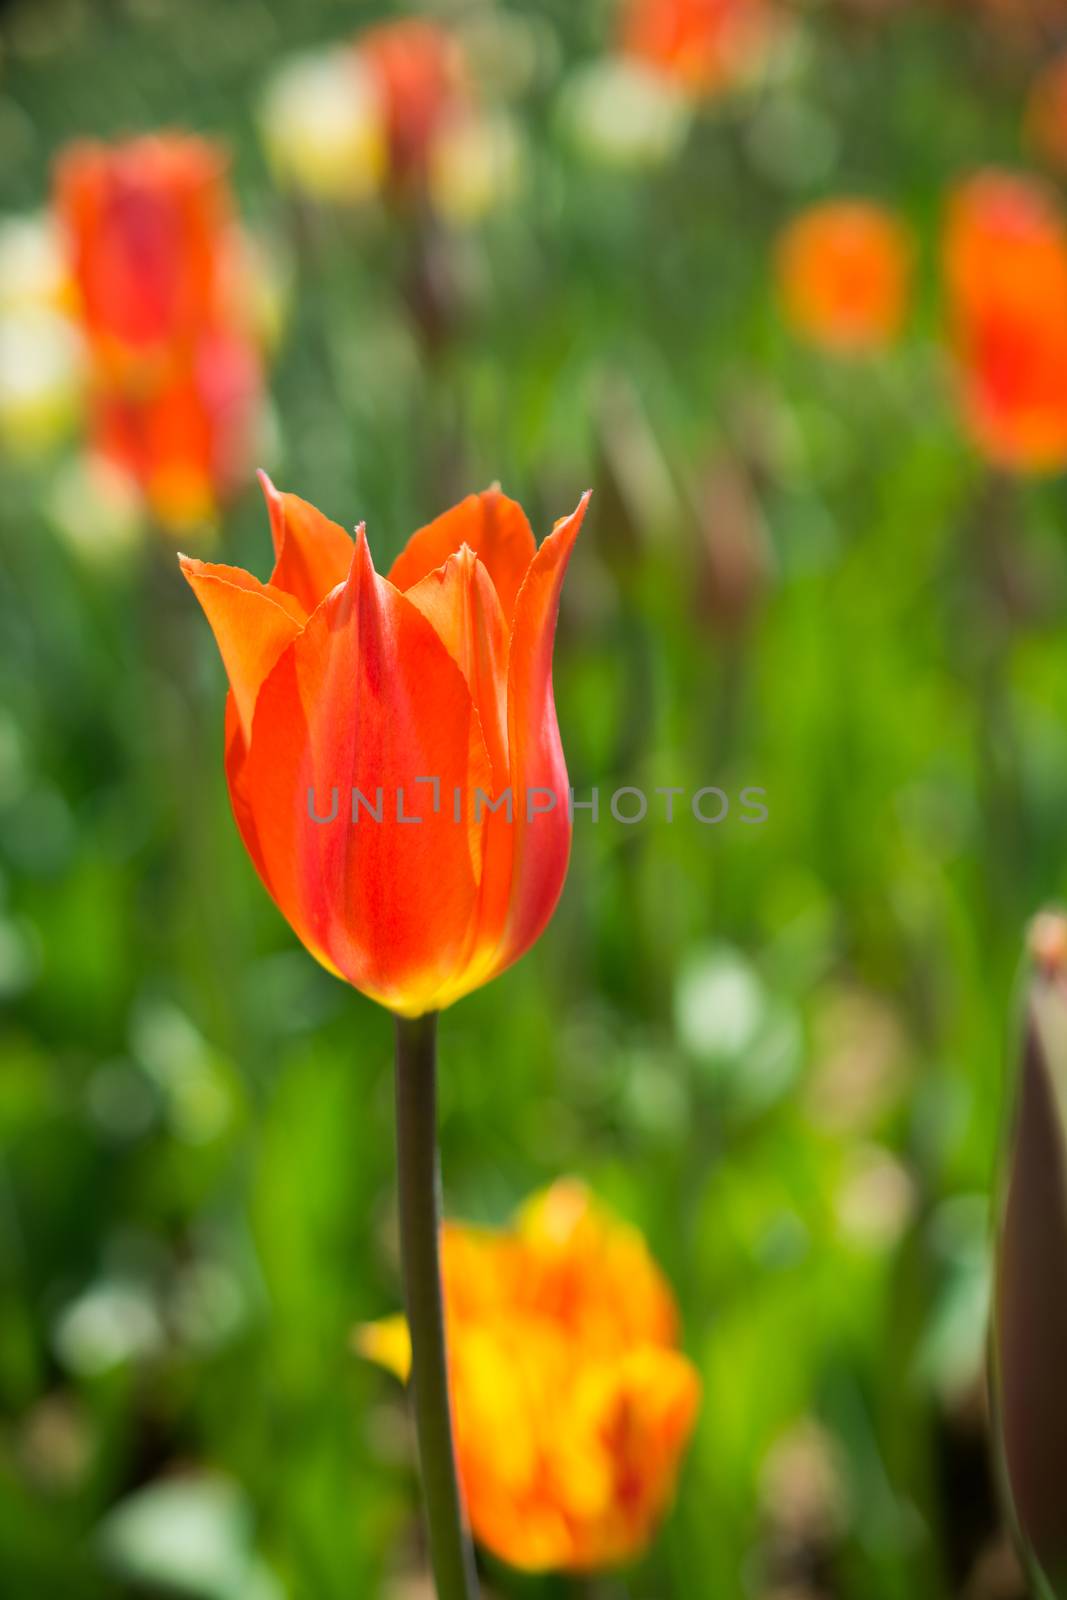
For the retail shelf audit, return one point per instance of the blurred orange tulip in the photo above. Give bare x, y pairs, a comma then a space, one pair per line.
421, 78
702, 45
188, 439
844, 274
342, 682
1024, 23
1046, 115
1005, 263
573, 1405
155, 262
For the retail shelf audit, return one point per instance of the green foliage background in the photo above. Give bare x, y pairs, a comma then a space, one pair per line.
777, 1049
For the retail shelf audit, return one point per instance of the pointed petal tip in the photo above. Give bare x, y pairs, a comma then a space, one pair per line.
574, 518
361, 551
275, 511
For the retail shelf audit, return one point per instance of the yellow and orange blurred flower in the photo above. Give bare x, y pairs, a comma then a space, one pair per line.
161, 289
1005, 266
393, 112
419, 691
844, 275
704, 46
572, 1403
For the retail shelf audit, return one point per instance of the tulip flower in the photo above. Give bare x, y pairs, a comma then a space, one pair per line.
408, 696
622, 113
573, 1404
844, 272
392, 111
435, 681
161, 284
1029, 1333
1046, 114
1026, 23
188, 440
421, 77
323, 127
704, 46
1005, 263
149, 229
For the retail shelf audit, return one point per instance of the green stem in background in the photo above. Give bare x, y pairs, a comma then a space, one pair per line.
420, 1222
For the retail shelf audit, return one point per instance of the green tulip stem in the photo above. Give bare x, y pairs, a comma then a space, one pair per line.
418, 1178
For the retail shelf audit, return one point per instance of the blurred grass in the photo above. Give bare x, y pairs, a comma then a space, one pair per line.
776, 1049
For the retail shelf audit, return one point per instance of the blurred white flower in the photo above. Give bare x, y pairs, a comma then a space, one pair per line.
32, 268
475, 164
322, 126
876, 1199
96, 508
112, 1323
621, 114
719, 1004
41, 377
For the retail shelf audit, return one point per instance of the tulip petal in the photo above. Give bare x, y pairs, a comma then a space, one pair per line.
542, 844
252, 623
387, 1343
460, 601
312, 554
1030, 1289
367, 697
497, 531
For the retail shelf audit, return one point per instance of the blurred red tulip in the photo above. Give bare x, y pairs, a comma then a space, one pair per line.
343, 681
148, 225
156, 263
844, 275
573, 1405
421, 77
703, 45
1005, 264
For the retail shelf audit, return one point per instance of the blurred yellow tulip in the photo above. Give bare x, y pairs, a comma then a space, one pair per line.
572, 1402
323, 127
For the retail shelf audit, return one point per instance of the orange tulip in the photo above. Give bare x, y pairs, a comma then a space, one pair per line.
572, 1403
155, 262
1005, 262
1046, 115
702, 45
421, 76
844, 271
343, 683
1025, 22
188, 440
